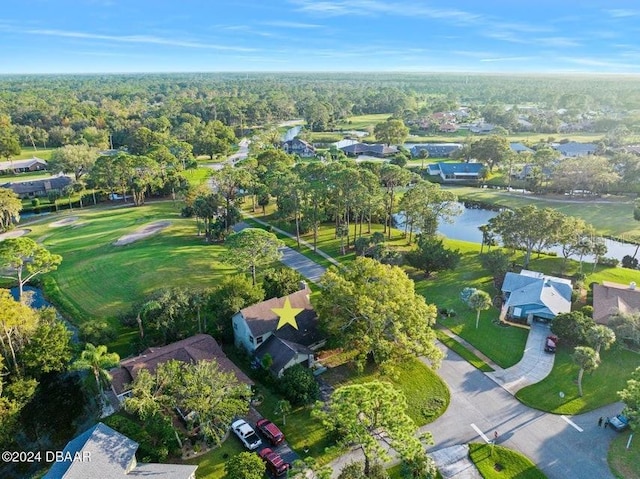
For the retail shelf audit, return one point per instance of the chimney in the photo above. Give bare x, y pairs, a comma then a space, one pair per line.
302, 285
632, 285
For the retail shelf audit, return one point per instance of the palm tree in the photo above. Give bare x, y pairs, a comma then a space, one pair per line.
587, 359
97, 360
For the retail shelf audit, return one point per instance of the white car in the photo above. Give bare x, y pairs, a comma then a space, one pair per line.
246, 434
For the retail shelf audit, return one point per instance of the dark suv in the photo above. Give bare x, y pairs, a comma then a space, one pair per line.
270, 431
274, 462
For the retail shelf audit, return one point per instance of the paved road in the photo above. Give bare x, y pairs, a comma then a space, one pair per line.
294, 260
559, 449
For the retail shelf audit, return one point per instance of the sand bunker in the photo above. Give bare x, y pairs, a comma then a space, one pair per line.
144, 232
14, 234
63, 222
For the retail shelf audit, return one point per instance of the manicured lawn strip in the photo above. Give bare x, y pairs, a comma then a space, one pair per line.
624, 463
211, 464
514, 465
599, 387
28, 152
198, 175
613, 218
467, 355
427, 395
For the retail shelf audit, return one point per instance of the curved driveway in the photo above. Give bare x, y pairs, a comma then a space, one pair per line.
557, 447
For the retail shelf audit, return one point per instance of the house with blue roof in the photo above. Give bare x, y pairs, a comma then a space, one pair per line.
457, 171
102, 452
530, 295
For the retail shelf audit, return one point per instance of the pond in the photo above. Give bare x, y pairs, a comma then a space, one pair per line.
38, 301
465, 228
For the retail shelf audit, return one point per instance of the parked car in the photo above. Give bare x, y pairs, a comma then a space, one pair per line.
275, 463
270, 431
619, 422
550, 343
246, 434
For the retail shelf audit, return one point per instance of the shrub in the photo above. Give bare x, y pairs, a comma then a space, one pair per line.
612, 262
629, 262
299, 385
187, 212
97, 332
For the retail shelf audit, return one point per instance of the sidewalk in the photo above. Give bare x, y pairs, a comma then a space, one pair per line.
303, 242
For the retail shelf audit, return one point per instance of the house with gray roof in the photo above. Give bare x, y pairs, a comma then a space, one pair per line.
22, 166
102, 452
456, 171
530, 295
520, 148
376, 149
255, 329
436, 150
38, 188
573, 148
299, 147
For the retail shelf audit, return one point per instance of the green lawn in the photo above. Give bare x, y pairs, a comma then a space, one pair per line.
513, 465
613, 218
624, 463
28, 152
198, 175
427, 395
99, 280
361, 122
211, 464
599, 387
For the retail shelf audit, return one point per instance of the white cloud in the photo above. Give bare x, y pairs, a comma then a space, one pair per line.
285, 24
622, 12
143, 39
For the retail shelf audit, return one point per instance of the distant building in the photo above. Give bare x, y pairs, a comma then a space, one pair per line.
458, 171
482, 128
573, 148
436, 150
520, 148
38, 188
376, 149
102, 452
22, 166
299, 147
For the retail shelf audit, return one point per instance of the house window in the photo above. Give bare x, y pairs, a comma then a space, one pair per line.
259, 340
235, 326
251, 339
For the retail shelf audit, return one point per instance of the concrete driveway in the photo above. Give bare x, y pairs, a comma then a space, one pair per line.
534, 366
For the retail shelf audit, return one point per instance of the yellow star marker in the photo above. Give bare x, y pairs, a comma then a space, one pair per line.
287, 314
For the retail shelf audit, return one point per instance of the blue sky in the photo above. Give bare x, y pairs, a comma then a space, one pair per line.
87, 36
